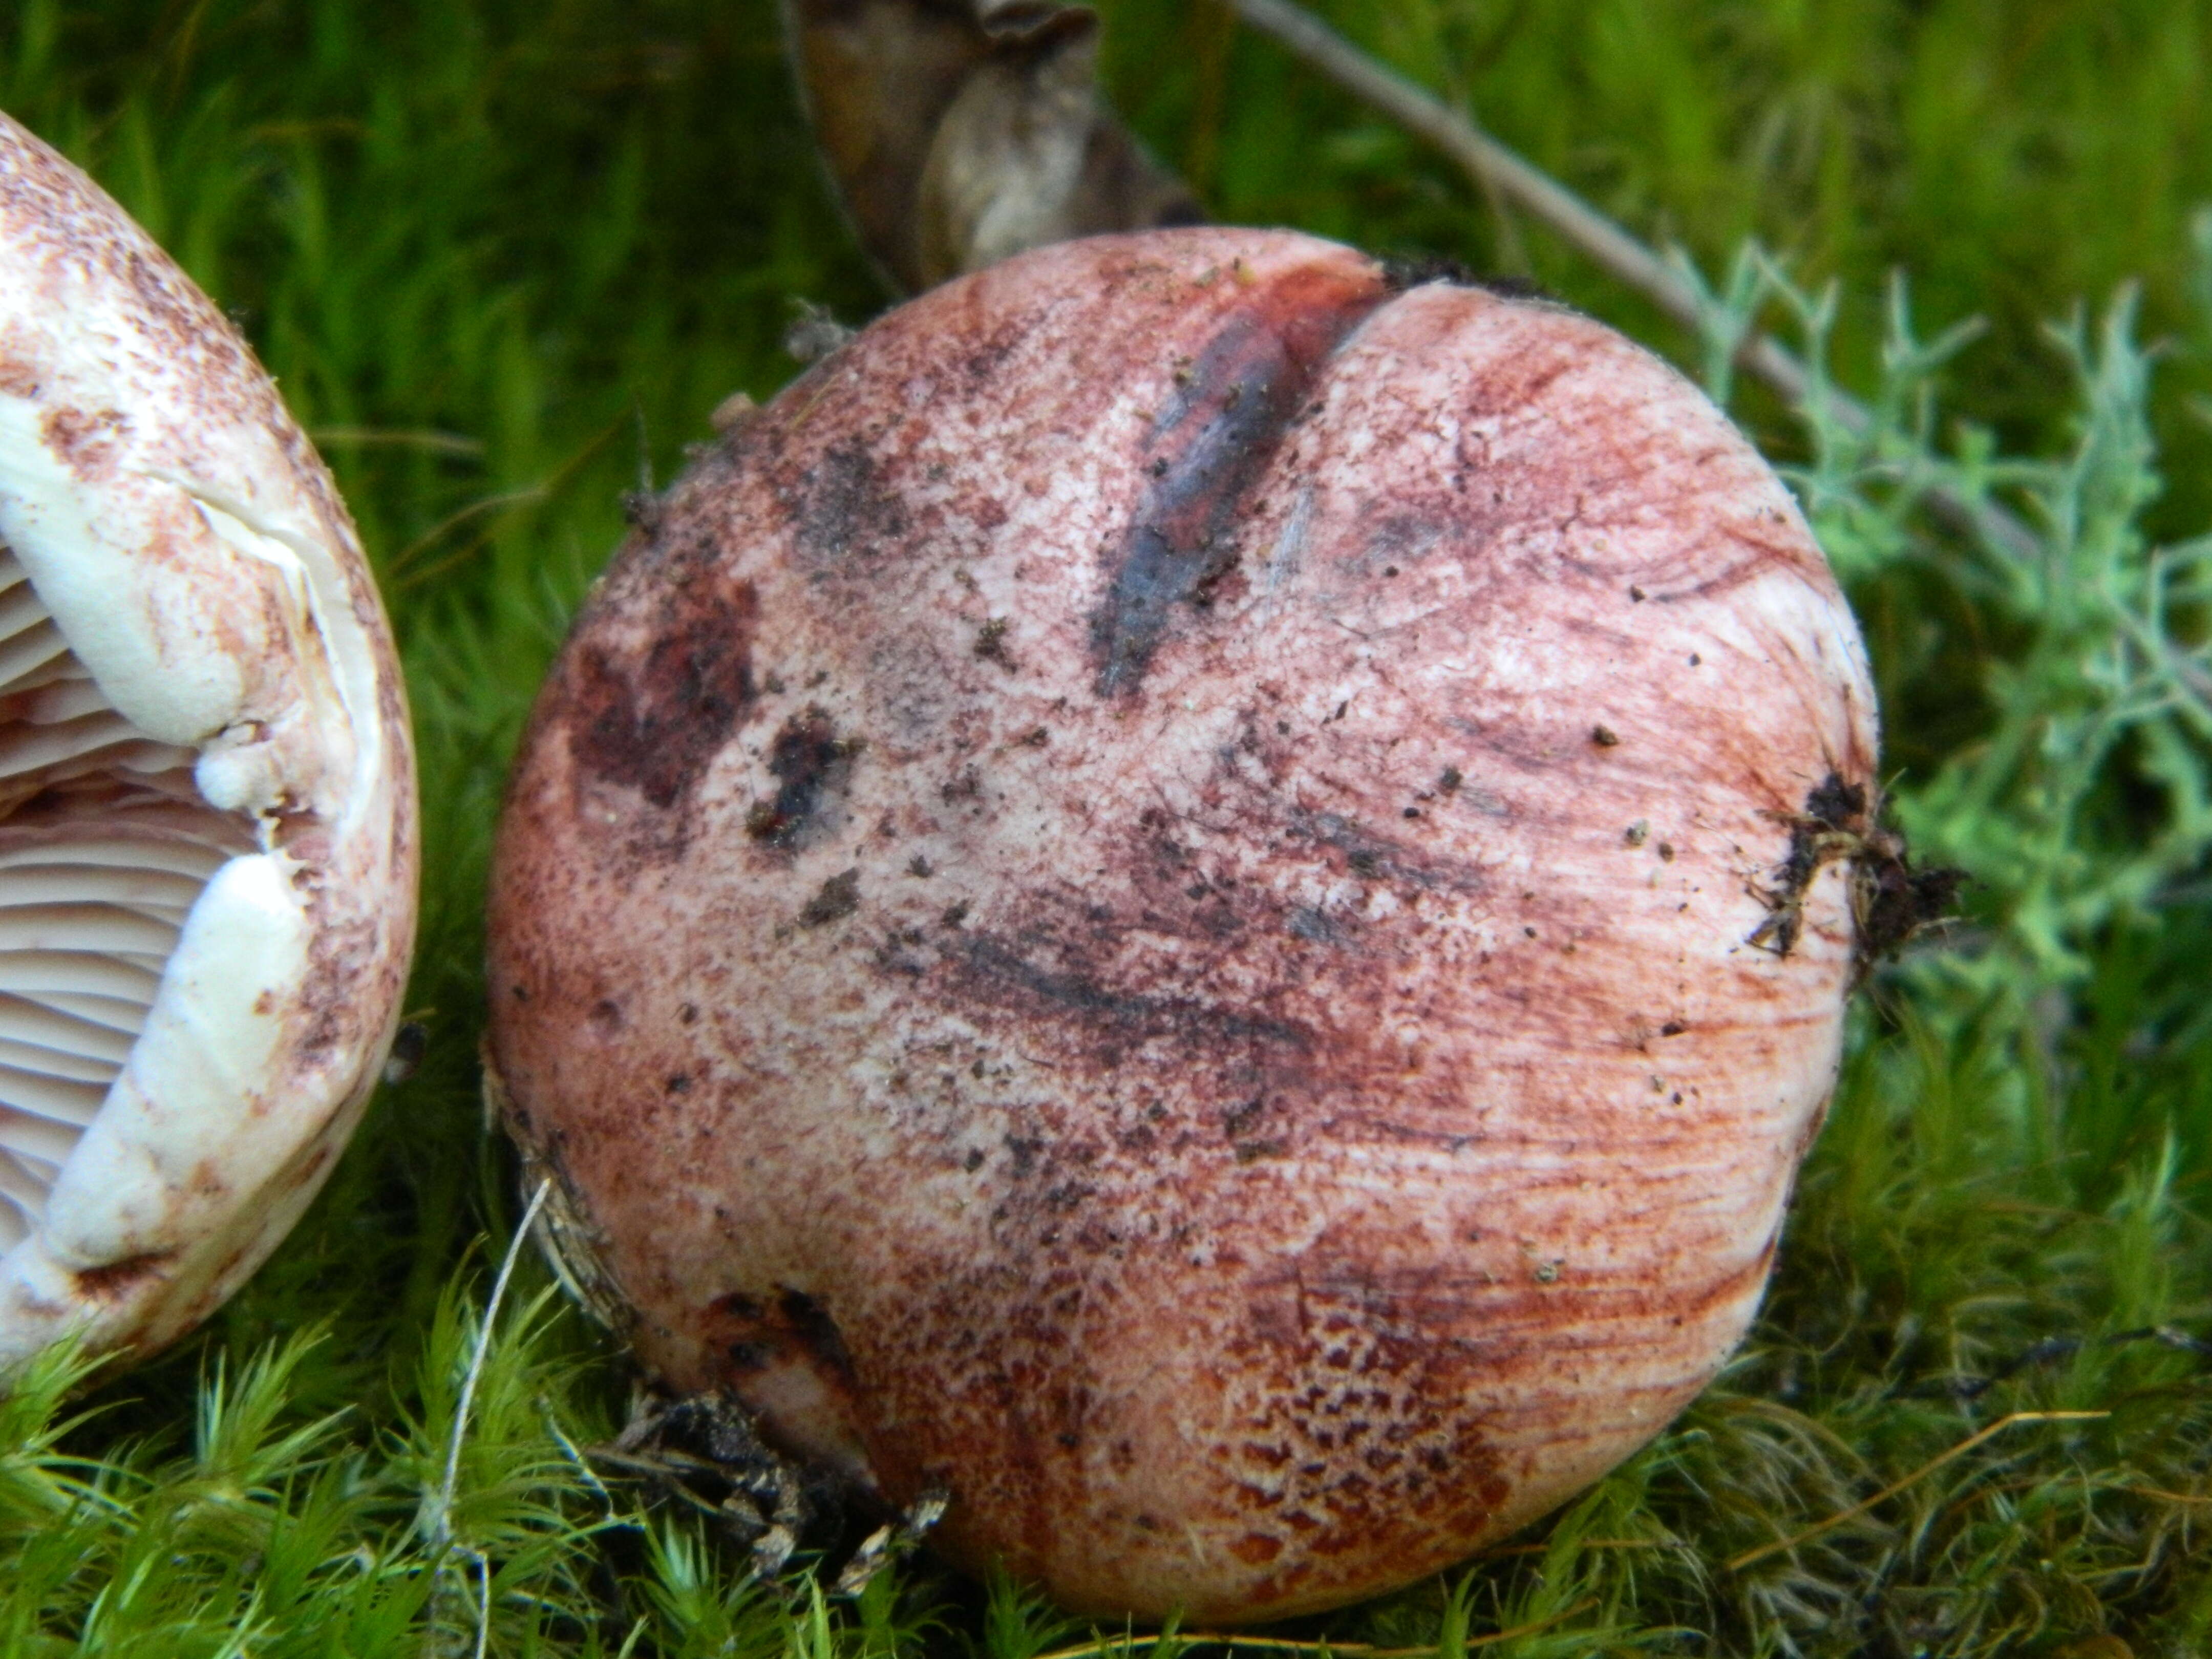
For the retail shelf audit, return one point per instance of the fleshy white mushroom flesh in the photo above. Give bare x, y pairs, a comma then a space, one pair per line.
207, 810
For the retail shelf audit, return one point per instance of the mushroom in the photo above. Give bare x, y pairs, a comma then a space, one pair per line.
959, 133
1203, 896
207, 806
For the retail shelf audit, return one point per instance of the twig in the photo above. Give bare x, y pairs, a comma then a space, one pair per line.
1288, 1644
443, 1523
1497, 168
1494, 165
1545, 1548
477, 508
397, 576
2052, 1349
1738, 1563
483, 1623
576, 1457
438, 443
2169, 1496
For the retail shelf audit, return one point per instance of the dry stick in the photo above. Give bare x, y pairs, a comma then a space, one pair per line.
441, 1519
443, 1515
1737, 1563
1495, 167
438, 443
551, 484
482, 504
1288, 1644
1545, 1548
1498, 168
484, 1624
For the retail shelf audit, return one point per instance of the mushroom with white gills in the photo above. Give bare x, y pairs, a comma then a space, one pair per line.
208, 842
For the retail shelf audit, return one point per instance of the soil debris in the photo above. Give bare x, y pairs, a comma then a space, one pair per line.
991, 644
1890, 902
838, 898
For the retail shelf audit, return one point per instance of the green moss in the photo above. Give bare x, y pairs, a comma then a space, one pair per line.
506, 258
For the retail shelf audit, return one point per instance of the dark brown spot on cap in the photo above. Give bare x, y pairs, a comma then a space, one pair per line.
653, 724
839, 897
845, 509
1236, 402
991, 644
811, 765
112, 1280
85, 440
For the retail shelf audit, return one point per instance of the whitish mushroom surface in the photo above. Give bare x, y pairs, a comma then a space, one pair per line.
207, 805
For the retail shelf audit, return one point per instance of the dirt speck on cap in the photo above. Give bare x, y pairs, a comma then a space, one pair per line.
838, 897
653, 715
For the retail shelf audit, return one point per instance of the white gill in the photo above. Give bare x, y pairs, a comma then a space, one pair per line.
104, 846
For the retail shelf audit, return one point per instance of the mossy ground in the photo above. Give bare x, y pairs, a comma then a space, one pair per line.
505, 258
